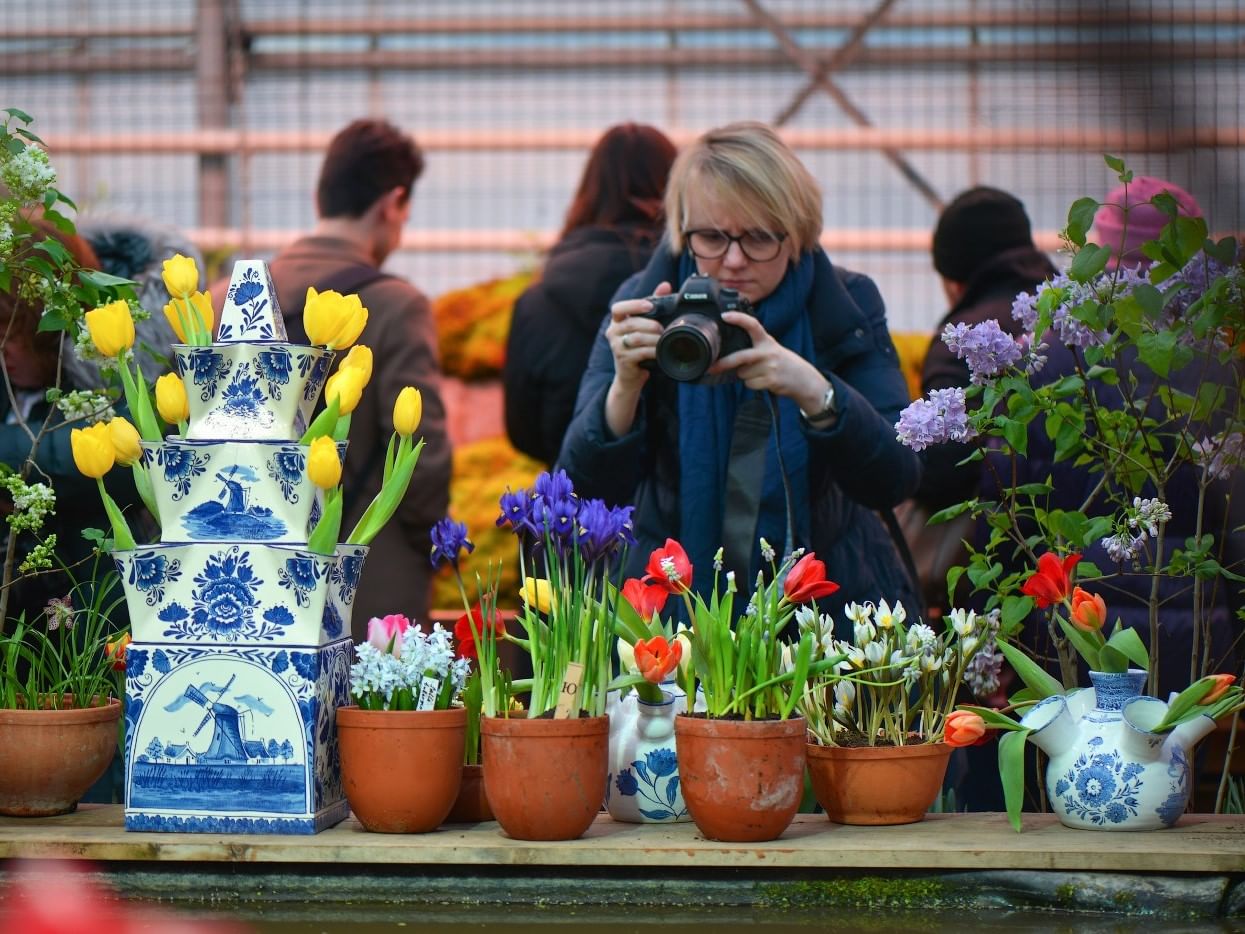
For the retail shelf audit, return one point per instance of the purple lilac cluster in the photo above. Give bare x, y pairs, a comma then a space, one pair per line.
1196, 277
1220, 455
981, 674
551, 513
1141, 523
985, 347
940, 418
1108, 287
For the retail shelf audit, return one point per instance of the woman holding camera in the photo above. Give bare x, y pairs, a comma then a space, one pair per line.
790, 439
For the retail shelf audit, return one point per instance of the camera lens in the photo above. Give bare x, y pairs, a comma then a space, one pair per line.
687, 347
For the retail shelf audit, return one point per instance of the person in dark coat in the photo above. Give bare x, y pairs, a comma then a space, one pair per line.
741, 208
610, 231
985, 256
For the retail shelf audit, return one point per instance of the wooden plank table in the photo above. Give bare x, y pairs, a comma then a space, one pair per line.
949, 861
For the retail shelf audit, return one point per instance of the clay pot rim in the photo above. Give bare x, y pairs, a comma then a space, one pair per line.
102, 713
449, 719
544, 726
913, 751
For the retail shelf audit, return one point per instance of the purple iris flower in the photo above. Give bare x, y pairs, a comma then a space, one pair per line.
516, 512
554, 487
449, 538
602, 531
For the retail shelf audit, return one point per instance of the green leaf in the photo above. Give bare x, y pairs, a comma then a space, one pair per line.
994, 719
1012, 774
1114, 163
1090, 260
52, 321
1187, 699
1111, 660
951, 512
1157, 350
1031, 673
1015, 609
1017, 435
1224, 251
1034, 489
1081, 219
1087, 645
102, 279
1129, 644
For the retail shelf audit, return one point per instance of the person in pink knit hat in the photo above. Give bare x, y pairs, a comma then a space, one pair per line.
1144, 219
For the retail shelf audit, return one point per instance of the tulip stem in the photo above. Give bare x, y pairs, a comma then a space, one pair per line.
323, 538
142, 483
139, 402
122, 538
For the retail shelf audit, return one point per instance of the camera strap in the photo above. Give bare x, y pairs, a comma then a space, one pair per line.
745, 482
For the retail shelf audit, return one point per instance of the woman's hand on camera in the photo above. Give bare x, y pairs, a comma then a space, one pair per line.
633, 341
768, 365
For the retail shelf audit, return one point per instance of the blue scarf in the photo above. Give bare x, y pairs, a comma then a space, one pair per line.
706, 424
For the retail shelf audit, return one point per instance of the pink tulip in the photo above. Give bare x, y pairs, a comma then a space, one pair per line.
385, 633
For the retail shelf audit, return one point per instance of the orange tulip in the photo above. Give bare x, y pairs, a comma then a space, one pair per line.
1222, 683
963, 728
116, 651
656, 657
1089, 611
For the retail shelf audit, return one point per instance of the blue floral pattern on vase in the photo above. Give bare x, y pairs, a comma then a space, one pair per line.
287, 467
150, 572
302, 576
345, 575
318, 368
655, 780
225, 597
274, 368
243, 398
181, 466
1101, 787
207, 368
248, 295
1178, 798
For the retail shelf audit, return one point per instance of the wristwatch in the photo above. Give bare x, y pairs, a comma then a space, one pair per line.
828, 411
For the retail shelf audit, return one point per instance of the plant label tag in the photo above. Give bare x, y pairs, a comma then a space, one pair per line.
429, 688
571, 682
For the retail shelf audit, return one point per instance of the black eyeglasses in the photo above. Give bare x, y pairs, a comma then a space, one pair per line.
760, 246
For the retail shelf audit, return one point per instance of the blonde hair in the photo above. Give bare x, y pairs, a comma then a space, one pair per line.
746, 165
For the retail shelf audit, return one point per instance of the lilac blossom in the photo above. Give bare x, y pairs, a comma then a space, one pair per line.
1024, 309
940, 418
981, 674
1220, 455
985, 347
1124, 546
1148, 514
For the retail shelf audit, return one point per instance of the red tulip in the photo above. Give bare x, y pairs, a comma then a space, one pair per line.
1052, 581
963, 728
385, 633
657, 657
116, 651
807, 581
669, 568
464, 636
1089, 611
1222, 683
645, 599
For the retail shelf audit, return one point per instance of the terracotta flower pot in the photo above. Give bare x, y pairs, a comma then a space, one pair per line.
877, 784
49, 758
741, 779
401, 769
471, 806
545, 778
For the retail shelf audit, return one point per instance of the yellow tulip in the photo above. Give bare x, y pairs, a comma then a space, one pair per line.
171, 399
125, 441
359, 358
347, 385
324, 467
407, 411
93, 450
333, 320
181, 276
537, 593
176, 310
111, 328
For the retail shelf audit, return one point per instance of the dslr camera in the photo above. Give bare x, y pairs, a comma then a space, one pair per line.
695, 335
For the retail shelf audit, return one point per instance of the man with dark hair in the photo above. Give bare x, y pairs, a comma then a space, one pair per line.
984, 253
363, 200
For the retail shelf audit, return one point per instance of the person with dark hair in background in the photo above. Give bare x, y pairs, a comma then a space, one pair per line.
34, 362
984, 253
710, 463
611, 228
363, 200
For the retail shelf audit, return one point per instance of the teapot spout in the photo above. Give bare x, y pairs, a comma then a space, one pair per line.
1054, 730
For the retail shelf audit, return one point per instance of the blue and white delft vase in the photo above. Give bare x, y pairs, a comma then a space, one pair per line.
1107, 769
643, 784
242, 650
